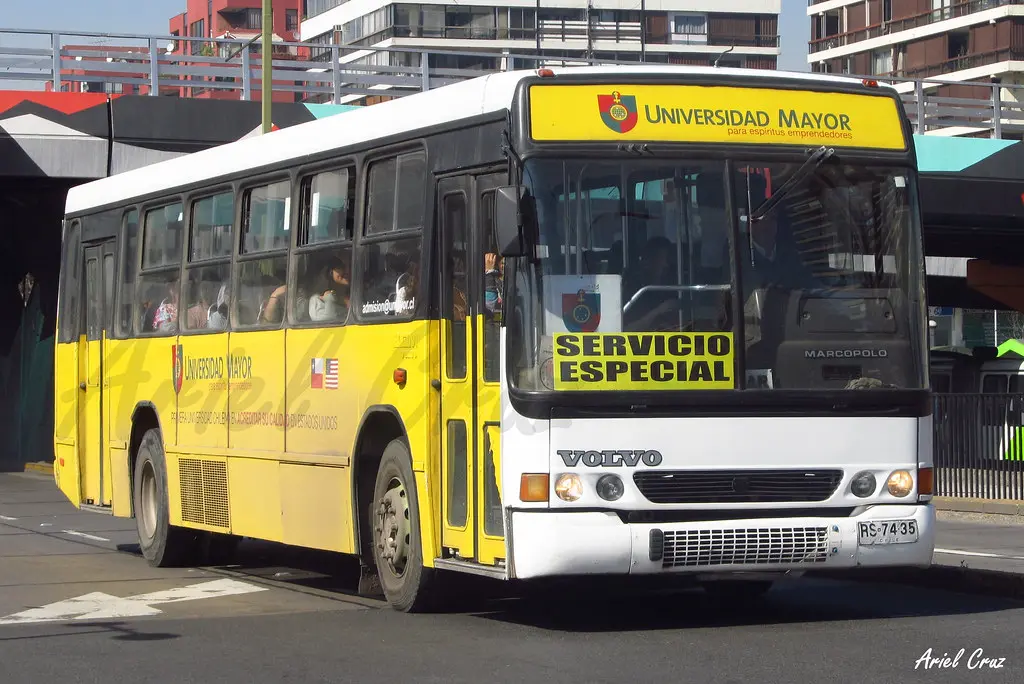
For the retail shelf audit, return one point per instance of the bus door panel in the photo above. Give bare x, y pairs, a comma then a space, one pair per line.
457, 427
67, 395
93, 454
487, 272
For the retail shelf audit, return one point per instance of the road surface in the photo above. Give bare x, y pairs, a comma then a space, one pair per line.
77, 604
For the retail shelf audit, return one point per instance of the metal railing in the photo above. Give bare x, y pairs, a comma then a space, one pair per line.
315, 72
180, 65
979, 446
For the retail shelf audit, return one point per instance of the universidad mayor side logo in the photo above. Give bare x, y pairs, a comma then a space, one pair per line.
618, 111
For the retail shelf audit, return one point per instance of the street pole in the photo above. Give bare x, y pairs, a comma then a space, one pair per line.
268, 63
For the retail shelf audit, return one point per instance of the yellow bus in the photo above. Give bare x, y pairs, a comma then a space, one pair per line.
577, 321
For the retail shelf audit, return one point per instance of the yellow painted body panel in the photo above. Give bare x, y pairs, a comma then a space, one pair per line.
65, 423
250, 428
314, 503
90, 437
488, 400
202, 414
256, 503
122, 485
256, 390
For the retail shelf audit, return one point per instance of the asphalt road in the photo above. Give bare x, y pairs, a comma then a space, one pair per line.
78, 605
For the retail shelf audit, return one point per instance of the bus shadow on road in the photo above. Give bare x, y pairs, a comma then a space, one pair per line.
285, 566
595, 606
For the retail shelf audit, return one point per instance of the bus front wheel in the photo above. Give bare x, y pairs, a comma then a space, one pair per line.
162, 544
395, 525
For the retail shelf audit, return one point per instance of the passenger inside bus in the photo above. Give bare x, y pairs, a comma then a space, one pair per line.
407, 265
493, 287
199, 313
217, 316
272, 310
165, 319
330, 298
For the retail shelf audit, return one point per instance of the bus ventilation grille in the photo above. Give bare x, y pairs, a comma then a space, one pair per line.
745, 546
204, 492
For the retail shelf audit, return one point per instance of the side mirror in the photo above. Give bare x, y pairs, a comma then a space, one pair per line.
508, 221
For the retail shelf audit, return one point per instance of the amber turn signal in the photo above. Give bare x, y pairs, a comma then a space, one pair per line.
533, 487
399, 376
925, 482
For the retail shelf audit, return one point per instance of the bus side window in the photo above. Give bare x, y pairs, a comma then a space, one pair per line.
324, 261
263, 257
129, 265
392, 246
493, 276
71, 284
208, 272
157, 294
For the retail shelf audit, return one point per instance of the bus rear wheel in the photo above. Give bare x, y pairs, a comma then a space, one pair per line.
162, 544
395, 529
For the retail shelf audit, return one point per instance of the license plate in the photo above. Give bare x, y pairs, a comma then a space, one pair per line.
888, 532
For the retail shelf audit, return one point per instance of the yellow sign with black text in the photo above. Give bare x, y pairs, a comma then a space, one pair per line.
714, 114
643, 361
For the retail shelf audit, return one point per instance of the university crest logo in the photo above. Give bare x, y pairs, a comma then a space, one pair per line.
618, 111
178, 372
581, 312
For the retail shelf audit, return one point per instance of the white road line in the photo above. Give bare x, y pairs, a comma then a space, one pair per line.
979, 554
97, 605
7, 518
85, 536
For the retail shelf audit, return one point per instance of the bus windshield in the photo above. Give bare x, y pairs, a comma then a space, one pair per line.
638, 262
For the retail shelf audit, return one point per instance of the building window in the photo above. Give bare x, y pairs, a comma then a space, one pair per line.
315, 7
689, 24
253, 19
291, 20
881, 61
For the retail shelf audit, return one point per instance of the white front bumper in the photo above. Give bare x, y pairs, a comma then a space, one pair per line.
546, 544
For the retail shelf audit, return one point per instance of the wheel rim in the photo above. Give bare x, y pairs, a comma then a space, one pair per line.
147, 517
392, 528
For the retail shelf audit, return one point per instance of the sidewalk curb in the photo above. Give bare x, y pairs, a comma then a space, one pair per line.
971, 505
979, 581
41, 467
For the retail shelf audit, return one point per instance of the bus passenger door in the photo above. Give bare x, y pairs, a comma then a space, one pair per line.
457, 424
487, 270
98, 306
472, 526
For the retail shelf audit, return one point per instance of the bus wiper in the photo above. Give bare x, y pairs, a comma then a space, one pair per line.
817, 158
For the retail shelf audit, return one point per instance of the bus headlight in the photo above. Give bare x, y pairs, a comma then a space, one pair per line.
610, 488
568, 487
863, 485
900, 483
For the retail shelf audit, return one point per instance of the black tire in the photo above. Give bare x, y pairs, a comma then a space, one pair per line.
162, 545
395, 533
738, 591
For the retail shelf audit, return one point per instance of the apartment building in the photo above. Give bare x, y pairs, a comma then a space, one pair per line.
958, 40
737, 33
239, 21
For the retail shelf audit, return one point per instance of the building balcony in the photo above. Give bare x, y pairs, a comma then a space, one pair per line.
963, 63
895, 26
567, 31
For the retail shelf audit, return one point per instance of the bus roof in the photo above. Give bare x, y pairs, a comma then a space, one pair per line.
482, 95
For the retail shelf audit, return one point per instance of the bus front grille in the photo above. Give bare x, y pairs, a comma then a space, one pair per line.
736, 486
745, 546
